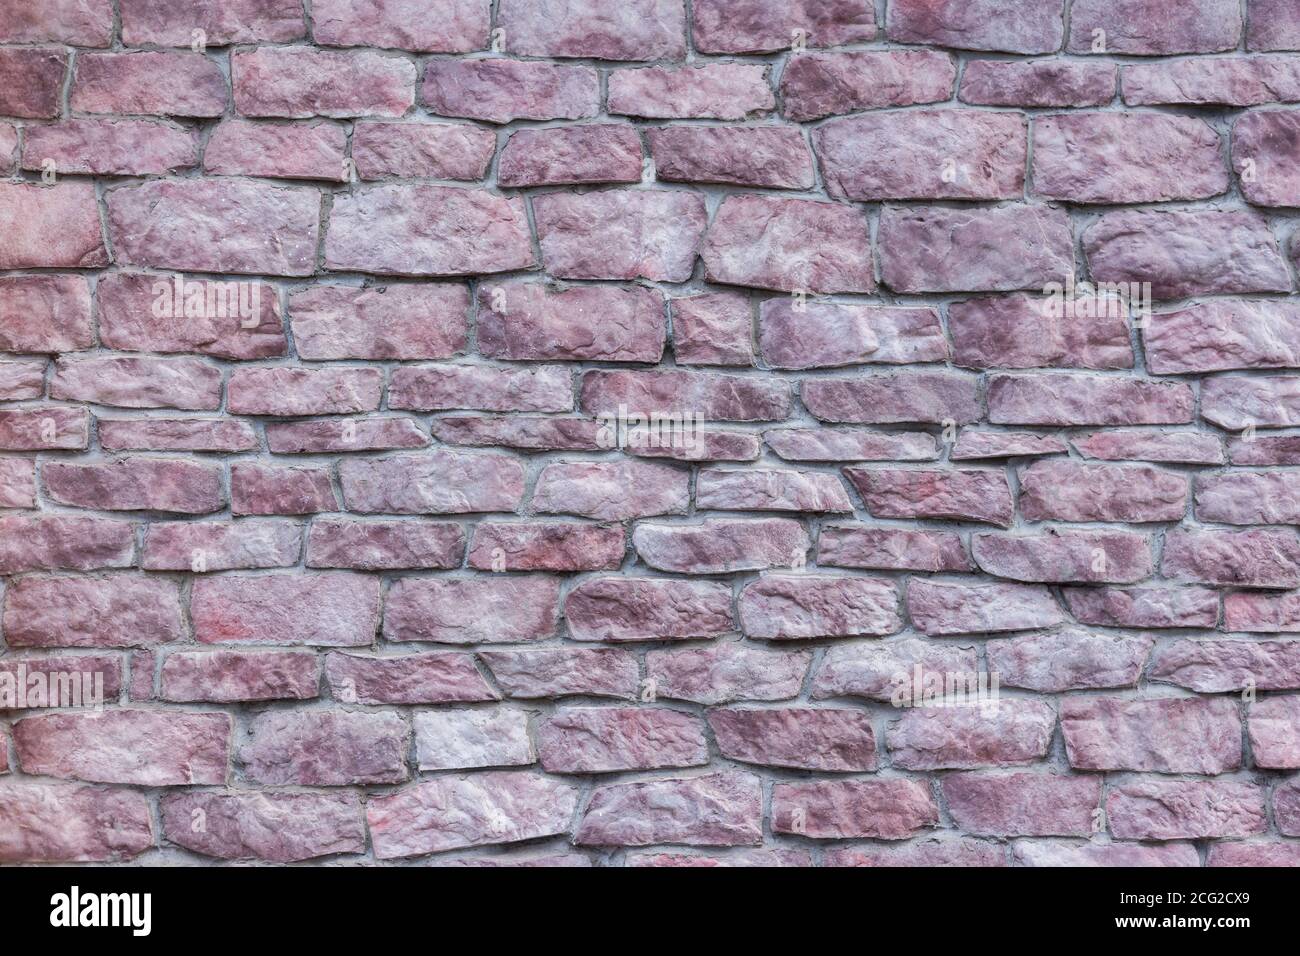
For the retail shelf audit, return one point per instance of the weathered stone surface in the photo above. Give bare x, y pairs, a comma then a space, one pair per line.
436, 482
820, 335
1261, 613
466, 739
850, 444
21, 380
789, 245
332, 435
827, 84
556, 156
770, 490
542, 388
74, 22
1060, 853
1263, 153
765, 26
420, 230
771, 156
739, 858
384, 545
1022, 804
1262, 558
230, 676
1185, 810
325, 748
1252, 854
82, 680
1144, 607
636, 30
408, 679
609, 739
33, 82
532, 321
45, 313
1219, 335
695, 445
889, 670
620, 234
137, 484
43, 429
709, 395
564, 671
1001, 249
154, 82
421, 150
546, 546
278, 150
924, 154
722, 545
1238, 402
1212, 667
974, 445
1021, 331
303, 391
1062, 398
610, 491
274, 827
1272, 25
478, 610
1072, 659
1264, 450
215, 225
255, 490
955, 494
1199, 252
141, 747
65, 823
1249, 497
724, 91
329, 609
17, 483
1004, 733
1286, 807
929, 852
501, 91
1213, 81
1002, 25
1095, 158
720, 809
200, 546
136, 383
1102, 557
894, 549
808, 738
447, 813
715, 328
145, 312
1274, 725
795, 606
299, 82
1048, 82
838, 809
526, 432
110, 147
1165, 736
1146, 28
223, 22
111, 611
647, 609
440, 26
895, 397
725, 672
1063, 490
51, 226
938, 608
1191, 448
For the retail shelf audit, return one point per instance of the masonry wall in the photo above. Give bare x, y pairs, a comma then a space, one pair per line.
964, 532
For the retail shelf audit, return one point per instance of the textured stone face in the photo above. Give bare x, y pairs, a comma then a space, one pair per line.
941, 608
500, 91
113, 147
434, 150
1022, 331
1146, 28
529, 321
65, 823
558, 672
1038, 83
721, 809
1164, 736
274, 827
60, 227
1067, 399
631, 609
620, 234
546, 388
1006, 733
937, 249
835, 809
824, 335
1216, 666
726, 672
1036, 26
763, 26
109, 611
326, 748
850, 547
281, 151
892, 397
473, 610
972, 495
168, 84
1185, 810
924, 154
299, 82
1144, 607
427, 231
440, 26
828, 84
577, 154
771, 156
329, 609
1069, 491
1022, 804
226, 22
1104, 557
885, 671
1068, 660
1214, 80
1186, 253
227, 676
789, 245
1259, 558
722, 545
776, 490
724, 91
782, 607
441, 482
546, 546
462, 739
804, 738
1095, 158
609, 739
1263, 152
636, 30
409, 679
